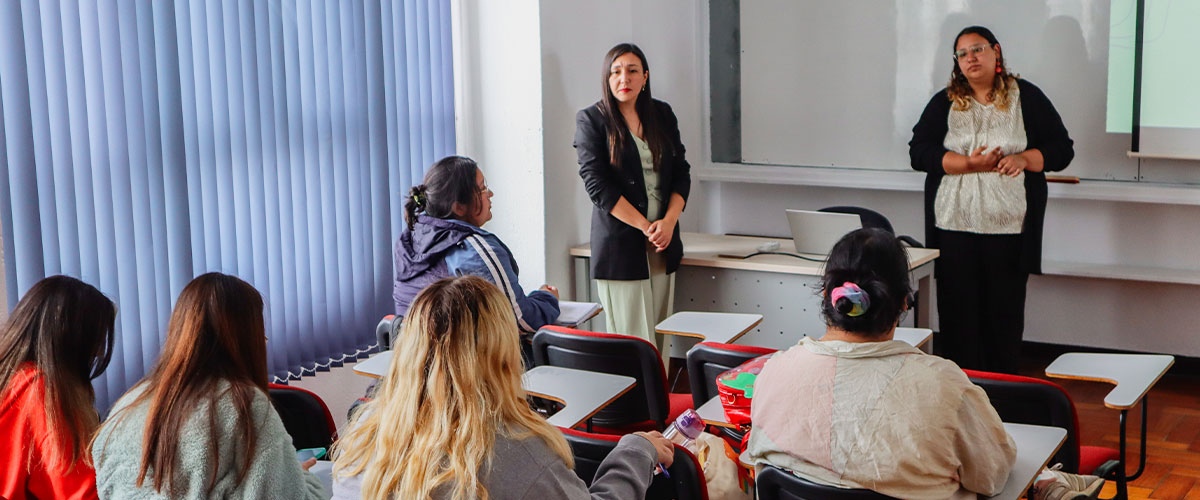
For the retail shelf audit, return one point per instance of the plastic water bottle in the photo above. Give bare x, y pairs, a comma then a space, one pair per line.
685, 429
683, 432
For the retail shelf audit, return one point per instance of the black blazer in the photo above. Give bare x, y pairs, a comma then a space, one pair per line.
1044, 131
618, 249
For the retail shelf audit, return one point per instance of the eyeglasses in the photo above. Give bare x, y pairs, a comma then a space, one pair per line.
483, 188
974, 50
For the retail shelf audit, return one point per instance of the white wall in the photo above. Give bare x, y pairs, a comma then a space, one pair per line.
498, 107
1116, 314
552, 212
575, 37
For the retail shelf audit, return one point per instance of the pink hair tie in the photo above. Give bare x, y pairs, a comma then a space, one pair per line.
855, 295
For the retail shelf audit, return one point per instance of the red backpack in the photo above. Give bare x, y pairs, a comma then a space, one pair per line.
736, 388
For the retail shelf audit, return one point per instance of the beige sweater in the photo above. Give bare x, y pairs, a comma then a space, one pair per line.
881, 416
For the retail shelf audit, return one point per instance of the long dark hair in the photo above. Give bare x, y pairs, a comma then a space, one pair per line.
959, 90
64, 327
618, 131
215, 334
451, 180
874, 260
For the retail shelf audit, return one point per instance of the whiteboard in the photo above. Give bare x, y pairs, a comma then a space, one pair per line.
840, 83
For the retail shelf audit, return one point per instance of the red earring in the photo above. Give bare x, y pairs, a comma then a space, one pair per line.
998, 68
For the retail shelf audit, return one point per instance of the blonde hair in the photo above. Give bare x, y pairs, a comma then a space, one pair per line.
454, 384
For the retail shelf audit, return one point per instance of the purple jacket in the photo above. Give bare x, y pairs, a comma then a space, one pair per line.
438, 248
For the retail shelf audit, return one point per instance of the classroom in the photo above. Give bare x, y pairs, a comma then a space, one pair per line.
285, 150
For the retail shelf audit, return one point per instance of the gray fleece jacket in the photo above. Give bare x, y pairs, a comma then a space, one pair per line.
528, 470
274, 470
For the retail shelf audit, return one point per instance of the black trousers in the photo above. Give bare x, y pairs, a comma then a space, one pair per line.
981, 300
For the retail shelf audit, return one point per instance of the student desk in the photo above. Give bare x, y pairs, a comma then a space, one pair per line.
1133, 375
1036, 444
709, 326
324, 471
582, 393
780, 287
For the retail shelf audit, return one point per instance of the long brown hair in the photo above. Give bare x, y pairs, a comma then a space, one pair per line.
453, 385
618, 131
959, 89
215, 334
64, 327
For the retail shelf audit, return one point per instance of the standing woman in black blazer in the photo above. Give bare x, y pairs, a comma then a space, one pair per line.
985, 142
632, 165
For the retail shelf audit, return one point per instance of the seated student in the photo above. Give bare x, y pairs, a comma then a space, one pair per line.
450, 419
443, 238
200, 424
56, 341
858, 409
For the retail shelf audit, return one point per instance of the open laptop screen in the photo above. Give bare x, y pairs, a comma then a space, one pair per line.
816, 232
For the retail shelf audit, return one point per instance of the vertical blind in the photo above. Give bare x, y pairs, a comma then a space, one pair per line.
146, 142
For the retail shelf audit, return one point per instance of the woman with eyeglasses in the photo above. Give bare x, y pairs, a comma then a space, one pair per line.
444, 236
633, 168
985, 143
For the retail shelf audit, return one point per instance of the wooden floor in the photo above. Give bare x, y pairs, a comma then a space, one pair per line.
1173, 432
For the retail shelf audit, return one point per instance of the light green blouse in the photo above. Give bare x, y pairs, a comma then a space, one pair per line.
654, 201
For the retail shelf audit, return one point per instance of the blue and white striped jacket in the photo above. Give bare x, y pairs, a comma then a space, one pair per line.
438, 248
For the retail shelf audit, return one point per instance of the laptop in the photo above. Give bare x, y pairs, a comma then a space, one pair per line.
816, 232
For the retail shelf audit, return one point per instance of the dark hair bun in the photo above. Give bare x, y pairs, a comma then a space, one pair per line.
875, 261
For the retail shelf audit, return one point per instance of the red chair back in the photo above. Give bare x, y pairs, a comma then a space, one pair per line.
773, 483
615, 354
1027, 400
304, 415
687, 474
706, 360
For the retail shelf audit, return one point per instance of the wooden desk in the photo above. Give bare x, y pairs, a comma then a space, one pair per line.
1132, 375
781, 288
1035, 445
709, 326
582, 393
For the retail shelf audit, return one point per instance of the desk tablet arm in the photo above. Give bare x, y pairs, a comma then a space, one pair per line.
1133, 375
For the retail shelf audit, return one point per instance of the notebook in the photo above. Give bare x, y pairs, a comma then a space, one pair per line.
571, 313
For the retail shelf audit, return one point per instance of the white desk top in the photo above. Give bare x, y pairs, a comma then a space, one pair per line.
709, 326
582, 393
700, 249
1133, 374
375, 366
916, 337
712, 413
1035, 445
324, 470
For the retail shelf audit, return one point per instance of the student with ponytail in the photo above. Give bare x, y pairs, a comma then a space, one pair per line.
444, 237
858, 409
59, 338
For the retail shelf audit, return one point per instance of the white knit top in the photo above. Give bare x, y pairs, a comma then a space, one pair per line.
985, 202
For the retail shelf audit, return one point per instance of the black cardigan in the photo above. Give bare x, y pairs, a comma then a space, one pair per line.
1044, 131
618, 249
